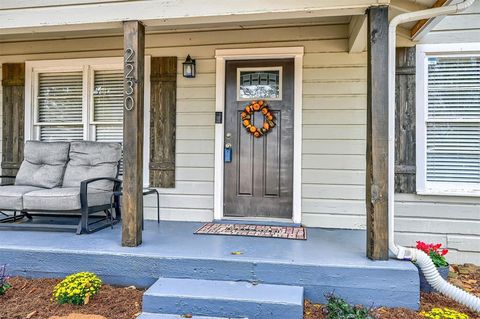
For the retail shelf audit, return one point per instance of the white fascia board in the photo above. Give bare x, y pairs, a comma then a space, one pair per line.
171, 12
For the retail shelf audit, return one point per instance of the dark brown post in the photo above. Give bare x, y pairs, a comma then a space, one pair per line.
134, 53
377, 134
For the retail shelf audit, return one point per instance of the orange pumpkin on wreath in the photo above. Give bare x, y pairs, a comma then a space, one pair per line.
247, 115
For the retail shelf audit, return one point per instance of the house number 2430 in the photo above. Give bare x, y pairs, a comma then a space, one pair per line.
129, 79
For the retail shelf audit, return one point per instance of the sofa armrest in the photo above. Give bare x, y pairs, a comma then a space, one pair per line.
7, 176
84, 187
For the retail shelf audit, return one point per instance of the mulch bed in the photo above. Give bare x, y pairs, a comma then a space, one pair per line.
466, 276
31, 298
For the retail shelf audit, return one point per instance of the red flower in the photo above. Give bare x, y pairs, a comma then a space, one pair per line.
431, 248
435, 252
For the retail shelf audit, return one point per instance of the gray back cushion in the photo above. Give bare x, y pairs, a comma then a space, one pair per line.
91, 160
43, 164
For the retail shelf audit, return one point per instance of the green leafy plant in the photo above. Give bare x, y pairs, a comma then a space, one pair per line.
444, 313
337, 308
77, 289
436, 253
4, 285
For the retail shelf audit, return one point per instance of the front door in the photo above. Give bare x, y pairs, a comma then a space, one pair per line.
259, 174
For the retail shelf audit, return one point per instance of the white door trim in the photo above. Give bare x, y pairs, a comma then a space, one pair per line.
249, 54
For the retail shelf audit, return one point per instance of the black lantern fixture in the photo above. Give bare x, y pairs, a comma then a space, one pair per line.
189, 67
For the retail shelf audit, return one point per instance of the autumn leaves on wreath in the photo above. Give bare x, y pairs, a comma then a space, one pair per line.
247, 117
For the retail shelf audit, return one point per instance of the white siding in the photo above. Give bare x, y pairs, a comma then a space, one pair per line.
458, 28
333, 163
452, 221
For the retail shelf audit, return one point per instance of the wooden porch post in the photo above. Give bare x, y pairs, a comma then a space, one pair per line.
377, 134
134, 53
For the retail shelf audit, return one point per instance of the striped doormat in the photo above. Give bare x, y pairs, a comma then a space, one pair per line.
285, 232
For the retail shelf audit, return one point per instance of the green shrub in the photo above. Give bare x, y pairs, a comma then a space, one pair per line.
77, 289
337, 308
445, 313
4, 285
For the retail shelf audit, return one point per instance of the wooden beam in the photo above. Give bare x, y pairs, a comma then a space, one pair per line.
357, 41
133, 122
377, 134
424, 23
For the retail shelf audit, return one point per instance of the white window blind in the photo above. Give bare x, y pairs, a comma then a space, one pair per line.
60, 106
108, 105
452, 120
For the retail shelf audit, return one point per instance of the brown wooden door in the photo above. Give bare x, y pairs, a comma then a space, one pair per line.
259, 179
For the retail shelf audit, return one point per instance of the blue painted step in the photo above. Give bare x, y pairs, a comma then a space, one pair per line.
223, 299
146, 315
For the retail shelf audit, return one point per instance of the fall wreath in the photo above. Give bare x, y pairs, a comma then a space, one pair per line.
247, 116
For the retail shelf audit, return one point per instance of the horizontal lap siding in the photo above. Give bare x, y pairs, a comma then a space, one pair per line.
334, 127
452, 221
457, 28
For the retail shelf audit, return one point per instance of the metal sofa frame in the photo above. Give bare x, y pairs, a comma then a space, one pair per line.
84, 226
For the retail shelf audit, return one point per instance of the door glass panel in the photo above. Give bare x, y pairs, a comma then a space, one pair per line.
259, 83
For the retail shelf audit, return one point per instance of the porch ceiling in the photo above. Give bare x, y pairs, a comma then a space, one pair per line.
32, 17
44, 34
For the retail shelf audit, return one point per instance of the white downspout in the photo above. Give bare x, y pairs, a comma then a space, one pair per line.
421, 259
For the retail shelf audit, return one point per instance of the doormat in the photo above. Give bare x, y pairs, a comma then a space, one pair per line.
285, 232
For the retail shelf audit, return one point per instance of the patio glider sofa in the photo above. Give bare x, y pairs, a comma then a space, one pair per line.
57, 180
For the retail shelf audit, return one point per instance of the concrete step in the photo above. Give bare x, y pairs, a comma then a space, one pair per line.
146, 315
227, 299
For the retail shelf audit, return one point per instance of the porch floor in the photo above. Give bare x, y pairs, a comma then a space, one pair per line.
329, 260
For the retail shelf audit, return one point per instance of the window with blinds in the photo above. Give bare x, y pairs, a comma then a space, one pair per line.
452, 121
81, 105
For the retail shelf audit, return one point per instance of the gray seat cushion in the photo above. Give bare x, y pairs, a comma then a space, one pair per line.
91, 160
11, 196
43, 164
63, 199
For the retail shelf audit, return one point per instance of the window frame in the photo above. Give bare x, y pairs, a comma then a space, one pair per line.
87, 67
266, 68
33, 67
423, 52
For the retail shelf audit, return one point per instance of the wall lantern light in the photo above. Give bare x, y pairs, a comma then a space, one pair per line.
189, 67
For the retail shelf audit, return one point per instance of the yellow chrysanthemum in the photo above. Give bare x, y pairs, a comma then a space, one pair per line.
445, 313
77, 288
